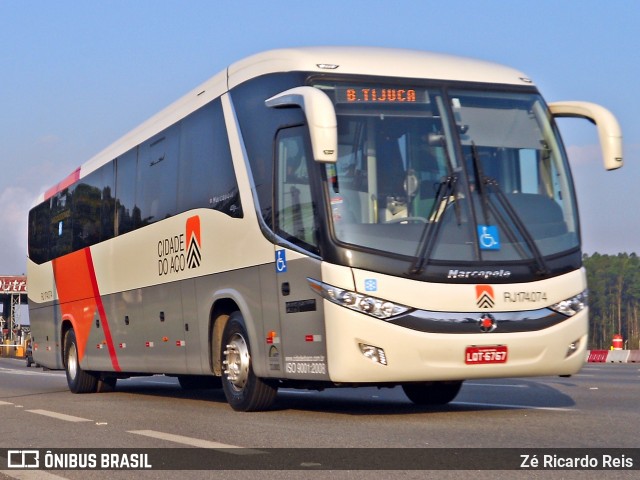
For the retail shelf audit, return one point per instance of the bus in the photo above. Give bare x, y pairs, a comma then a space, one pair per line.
322, 217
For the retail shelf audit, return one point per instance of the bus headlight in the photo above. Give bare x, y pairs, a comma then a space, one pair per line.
573, 305
375, 307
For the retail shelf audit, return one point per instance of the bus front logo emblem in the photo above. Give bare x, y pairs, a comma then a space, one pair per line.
487, 323
194, 257
484, 296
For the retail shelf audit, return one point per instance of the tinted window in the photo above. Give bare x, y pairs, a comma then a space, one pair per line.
128, 215
157, 176
295, 210
39, 233
60, 227
184, 167
206, 175
93, 208
259, 124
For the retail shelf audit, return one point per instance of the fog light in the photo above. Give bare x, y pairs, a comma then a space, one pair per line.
375, 354
573, 348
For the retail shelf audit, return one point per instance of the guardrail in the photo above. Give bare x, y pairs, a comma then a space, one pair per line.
613, 356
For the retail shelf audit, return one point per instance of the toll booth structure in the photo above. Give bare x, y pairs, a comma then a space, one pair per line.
13, 294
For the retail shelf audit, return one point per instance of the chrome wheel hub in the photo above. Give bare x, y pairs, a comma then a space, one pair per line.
72, 361
236, 361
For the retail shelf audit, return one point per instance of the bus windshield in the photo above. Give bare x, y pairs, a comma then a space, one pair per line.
461, 175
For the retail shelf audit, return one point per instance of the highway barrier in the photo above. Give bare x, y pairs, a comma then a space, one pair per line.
618, 356
597, 356
613, 356
634, 356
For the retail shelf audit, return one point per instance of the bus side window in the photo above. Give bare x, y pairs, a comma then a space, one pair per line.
39, 220
128, 213
60, 231
157, 173
206, 177
295, 217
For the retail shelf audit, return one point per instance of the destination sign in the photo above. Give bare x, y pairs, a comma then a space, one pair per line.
381, 94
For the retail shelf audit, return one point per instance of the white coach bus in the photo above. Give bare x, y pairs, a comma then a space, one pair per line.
322, 217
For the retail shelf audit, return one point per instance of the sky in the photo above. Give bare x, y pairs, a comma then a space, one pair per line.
77, 75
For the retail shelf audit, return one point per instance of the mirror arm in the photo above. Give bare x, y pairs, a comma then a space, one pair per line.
608, 128
321, 119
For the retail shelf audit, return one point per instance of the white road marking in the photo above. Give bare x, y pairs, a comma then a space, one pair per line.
28, 474
13, 371
505, 405
60, 416
195, 442
5, 403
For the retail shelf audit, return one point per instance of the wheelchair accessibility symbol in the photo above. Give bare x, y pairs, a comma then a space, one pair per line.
488, 237
281, 261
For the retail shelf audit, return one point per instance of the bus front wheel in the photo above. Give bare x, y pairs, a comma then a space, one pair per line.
432, 393
78, 380
244, 391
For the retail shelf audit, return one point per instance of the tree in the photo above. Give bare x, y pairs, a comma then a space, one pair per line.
614, 298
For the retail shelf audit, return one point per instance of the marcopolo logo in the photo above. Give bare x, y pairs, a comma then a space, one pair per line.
483, 274
181, 252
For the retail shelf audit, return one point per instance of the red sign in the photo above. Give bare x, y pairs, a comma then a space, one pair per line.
475, 355
10, 285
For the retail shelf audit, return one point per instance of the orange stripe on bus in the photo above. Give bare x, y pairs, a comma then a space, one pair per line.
80, 298
193, 229
67, 182
102, 312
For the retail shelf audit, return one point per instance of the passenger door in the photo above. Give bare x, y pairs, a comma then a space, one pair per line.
301, 340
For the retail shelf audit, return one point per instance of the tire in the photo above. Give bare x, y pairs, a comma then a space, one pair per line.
432, 393
78, 380
197, 382
244, 391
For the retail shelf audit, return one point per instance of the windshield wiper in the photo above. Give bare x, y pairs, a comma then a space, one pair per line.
446, 190
492, 184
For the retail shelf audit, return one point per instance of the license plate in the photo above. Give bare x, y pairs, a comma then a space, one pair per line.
474, 355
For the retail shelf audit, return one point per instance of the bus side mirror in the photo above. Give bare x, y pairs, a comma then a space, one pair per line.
320, 115
608, 128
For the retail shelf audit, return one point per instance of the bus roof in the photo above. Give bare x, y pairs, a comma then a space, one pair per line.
377, 61
374, 61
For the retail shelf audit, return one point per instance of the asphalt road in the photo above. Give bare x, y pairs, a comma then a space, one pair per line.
597, 408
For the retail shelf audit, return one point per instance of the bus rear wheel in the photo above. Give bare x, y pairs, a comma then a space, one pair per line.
432, 393
78, 380
244, 391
